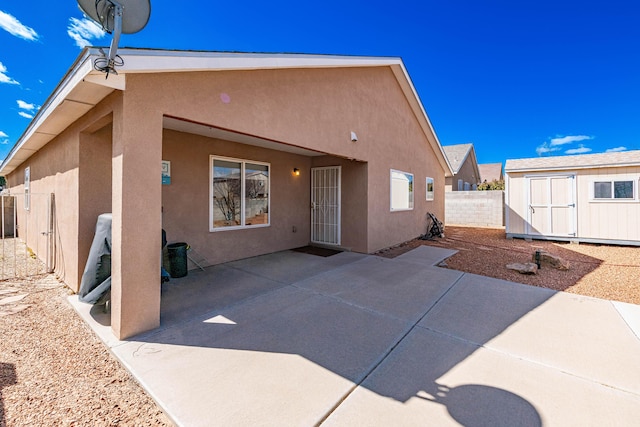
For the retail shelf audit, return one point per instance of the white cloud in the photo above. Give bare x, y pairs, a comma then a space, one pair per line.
82, 31
580, 150
562, 140
26, 115
615, 150
545, 148
4, 141
3, 135
4, 78
15, 27
26, 106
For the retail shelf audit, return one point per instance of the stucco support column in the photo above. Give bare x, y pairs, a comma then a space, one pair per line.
137, 219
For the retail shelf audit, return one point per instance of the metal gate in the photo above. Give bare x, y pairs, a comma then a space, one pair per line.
26, 235
325, 205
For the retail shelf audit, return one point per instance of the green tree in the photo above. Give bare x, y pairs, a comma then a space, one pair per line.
490, 186
3, 182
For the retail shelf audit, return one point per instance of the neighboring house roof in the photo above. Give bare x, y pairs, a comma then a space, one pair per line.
458, 154
581, 161
490, 172
82, 88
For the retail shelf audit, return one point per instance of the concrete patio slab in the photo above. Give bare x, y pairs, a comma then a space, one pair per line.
434, 379
297, 339
404, 290
427, 255
285, 357
290, 266
580, 335
214, 288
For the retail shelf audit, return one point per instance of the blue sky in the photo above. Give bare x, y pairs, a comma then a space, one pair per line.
515, 78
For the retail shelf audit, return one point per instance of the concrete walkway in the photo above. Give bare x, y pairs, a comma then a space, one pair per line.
296, 339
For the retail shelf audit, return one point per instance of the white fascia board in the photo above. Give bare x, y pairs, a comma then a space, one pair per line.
82, 67
142, 61
570, 168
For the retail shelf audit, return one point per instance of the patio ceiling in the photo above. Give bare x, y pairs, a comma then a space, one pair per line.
227, 135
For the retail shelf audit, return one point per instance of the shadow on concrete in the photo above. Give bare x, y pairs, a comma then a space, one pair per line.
481, 405
7, 377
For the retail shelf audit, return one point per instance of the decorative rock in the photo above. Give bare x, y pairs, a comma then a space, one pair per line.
526, 268
549, 260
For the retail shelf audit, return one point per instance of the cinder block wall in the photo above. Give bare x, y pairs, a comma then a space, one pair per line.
475, 208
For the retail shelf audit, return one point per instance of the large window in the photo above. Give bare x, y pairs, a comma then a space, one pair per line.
239, 194
605, 190
401, 191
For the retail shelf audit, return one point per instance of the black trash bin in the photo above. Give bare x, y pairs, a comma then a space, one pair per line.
177, 259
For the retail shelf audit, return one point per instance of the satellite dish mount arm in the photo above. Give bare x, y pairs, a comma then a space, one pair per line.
117, 30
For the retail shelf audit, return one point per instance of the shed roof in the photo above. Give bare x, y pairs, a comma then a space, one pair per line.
490, 172
457, 154
83, 87
581, 161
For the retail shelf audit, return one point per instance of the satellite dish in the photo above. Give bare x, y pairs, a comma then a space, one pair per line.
116, 17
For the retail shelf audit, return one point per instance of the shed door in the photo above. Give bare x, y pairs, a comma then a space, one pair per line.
552, 207
325, 205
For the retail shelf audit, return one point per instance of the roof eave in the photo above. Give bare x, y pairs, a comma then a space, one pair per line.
144, 61
59, 110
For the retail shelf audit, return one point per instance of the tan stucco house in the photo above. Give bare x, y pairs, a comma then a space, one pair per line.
260, 153
586, 198
490, 172
463, 161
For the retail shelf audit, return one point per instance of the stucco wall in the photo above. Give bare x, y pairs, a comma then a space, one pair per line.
185, 202
354, 200
317, 109
309, 108
55, 170
475, 208
467, 173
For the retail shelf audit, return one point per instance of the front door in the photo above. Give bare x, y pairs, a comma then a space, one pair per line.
325, 205
552, 207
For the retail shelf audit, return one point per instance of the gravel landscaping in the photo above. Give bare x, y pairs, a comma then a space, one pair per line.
601, 271
54, 371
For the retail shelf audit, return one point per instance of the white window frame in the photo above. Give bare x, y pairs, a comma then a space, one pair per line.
27, 188
430, 195
212, 206
592, 190
411, 201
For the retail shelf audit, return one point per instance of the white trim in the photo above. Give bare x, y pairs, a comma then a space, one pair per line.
27, 188
433, 189
507, 201
572, 196
411, 194
612, 199
314, 238
243, 163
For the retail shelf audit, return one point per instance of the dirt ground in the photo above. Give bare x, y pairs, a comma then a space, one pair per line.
601, 271
54, 371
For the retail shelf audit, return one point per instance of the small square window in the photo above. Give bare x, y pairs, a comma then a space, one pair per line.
623, 190
430, 190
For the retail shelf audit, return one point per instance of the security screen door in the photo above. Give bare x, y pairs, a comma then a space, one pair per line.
325, 205
551, 205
